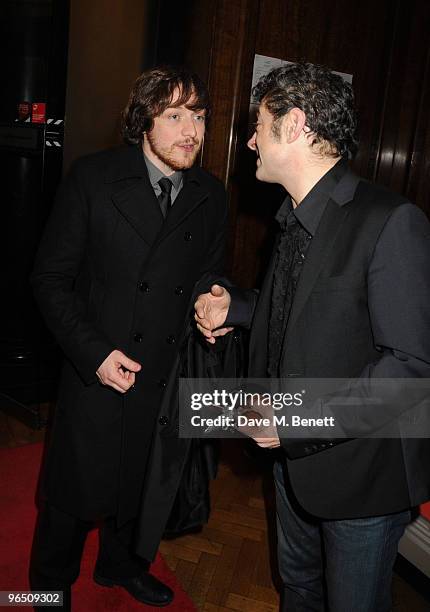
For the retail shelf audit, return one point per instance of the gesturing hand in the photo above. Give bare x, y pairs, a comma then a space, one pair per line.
211, 312
259, 424
118, 371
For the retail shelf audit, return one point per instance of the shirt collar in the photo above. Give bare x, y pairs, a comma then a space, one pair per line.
311, 208
155, 174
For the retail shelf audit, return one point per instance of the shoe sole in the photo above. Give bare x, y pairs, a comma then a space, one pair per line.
106, 582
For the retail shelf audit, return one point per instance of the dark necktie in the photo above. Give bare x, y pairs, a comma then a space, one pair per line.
164, 198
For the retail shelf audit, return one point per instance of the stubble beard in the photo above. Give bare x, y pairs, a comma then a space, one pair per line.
168, 157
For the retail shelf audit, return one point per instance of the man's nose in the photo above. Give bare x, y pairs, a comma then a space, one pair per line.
189, 127
251, 142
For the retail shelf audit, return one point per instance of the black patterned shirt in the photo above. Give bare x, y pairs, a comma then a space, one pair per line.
298, 226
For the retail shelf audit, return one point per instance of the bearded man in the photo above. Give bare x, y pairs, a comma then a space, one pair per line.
132, 231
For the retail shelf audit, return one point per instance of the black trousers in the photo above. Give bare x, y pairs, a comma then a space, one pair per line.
58, 544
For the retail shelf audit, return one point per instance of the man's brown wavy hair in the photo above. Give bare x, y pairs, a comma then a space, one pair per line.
153, 92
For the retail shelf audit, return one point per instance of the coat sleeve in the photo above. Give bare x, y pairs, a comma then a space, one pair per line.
399, 296
59, 262
242, 307
398, 300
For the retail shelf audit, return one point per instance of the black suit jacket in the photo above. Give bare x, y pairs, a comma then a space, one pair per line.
360, 310
111, 274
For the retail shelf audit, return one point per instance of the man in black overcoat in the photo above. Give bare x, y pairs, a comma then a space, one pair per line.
132, 231
346, 296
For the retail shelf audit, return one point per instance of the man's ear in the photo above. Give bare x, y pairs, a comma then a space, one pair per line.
293, 124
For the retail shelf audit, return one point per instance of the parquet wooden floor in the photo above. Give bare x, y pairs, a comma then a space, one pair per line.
231, 564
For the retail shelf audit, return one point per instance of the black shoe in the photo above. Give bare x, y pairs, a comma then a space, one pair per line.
145, 588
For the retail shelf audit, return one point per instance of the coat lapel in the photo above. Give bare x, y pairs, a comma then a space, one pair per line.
192, 195
132, 193
260, 327
328, 229
140, 207
135, 199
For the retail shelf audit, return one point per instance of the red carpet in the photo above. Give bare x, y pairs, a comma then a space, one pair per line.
425, 510
19, 468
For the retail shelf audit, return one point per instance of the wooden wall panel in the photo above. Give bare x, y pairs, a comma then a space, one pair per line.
406, 117
229, 80
231, 66
384, 44
418, 184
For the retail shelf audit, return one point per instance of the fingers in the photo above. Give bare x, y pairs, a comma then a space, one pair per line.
129, 377
206, 332
118, 381
267, 442
222, 331
127, 363
116, 387
204, 325
211, 336
118, 371
200, 306
211, 308
217, 290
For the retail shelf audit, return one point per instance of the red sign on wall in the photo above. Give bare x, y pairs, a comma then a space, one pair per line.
38, 112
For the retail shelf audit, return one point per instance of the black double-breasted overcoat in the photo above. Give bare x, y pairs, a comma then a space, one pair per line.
111, 273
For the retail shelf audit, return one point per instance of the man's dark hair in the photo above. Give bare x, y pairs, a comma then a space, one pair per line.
326, 99
153, 92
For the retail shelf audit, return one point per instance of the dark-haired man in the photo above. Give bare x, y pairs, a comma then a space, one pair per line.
132, 231
345, 296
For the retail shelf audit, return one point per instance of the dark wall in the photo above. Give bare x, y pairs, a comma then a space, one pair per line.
384, 44
107, 46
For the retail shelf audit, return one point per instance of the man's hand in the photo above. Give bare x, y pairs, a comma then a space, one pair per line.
118, 371
268, 442
266, 436
211, 312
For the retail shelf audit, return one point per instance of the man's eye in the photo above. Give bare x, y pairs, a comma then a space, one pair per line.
200, 118
174, 116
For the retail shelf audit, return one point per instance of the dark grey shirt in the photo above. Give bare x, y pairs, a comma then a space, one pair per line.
155, 175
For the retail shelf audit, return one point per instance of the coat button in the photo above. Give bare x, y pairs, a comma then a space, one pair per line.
171, 339
144, 287
138, 337
188, 236
163, 420
179, 290
162, 383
